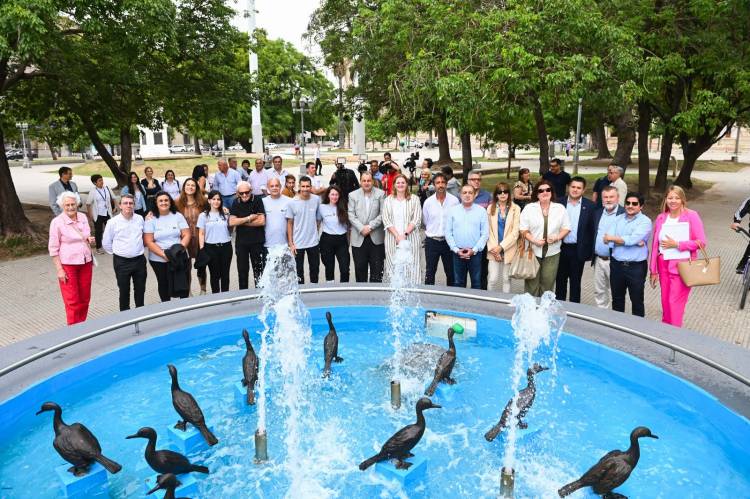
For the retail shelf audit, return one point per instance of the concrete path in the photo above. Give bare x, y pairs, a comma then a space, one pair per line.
31, 302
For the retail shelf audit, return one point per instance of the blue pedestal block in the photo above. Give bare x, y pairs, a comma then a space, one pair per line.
240, 398
188, 441
415, 473
189, 487
445, 393
92, 484
526, 439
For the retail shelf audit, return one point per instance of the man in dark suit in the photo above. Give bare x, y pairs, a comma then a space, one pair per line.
578, 246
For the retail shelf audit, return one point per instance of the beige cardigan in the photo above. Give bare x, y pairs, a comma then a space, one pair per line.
510, 236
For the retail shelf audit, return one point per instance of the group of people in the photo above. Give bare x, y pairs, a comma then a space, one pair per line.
476, 235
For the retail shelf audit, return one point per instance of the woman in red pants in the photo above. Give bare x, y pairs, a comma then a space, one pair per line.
70, 248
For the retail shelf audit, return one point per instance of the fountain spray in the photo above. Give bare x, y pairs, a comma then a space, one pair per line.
534, 325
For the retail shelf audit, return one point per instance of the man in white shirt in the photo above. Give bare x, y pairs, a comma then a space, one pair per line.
123, 238
278, 171
303, 220
226, 181
614, 174
259, 179
275, 206
433, 216
317, 182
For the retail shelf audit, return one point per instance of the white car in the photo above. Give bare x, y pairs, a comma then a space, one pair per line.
175, 149
271, 145
236, 147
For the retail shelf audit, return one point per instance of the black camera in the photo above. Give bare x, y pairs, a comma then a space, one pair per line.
411, 163
362, 167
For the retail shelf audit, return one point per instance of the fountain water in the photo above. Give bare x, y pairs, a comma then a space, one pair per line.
534, 325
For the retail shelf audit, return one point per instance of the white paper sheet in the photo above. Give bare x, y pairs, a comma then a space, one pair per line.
680, 232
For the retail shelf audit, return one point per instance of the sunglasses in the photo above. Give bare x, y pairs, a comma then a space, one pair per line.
632, 203
244, 193
539, 191
503, 192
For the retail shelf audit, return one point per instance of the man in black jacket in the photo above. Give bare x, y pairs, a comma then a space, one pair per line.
345, 179
743, 210
578, 246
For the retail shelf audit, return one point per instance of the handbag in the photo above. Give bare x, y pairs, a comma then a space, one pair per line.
525, 265
701, 271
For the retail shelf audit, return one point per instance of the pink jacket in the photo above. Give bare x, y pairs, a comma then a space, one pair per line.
66, 242
696, 234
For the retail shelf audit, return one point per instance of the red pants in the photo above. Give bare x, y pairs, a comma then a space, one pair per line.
76, 291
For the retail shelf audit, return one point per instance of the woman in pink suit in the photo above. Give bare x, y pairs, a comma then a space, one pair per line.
674, 292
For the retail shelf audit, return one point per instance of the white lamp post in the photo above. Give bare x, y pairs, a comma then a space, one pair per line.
257, 128
302, 106
23, 127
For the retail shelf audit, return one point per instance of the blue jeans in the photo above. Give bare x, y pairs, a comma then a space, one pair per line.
228, 201
473, 266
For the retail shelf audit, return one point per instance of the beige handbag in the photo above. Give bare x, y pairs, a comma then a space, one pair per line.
701, 271
525, 264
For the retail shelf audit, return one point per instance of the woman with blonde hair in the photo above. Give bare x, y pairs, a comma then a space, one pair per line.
662, 265
402, 216
504, 218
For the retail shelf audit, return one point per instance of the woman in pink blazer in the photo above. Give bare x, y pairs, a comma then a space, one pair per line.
674, 292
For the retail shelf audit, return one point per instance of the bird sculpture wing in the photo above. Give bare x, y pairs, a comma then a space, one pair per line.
402, 441
604, 467
87, 436
187, 407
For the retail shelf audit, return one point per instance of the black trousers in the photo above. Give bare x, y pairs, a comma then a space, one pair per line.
127, 269
569, 269
249, 254
744, 258
99, 224
484, 270
335, 247
313, 262
161, 270
434, 251
628, 277
369, 256
318, 167
218, 266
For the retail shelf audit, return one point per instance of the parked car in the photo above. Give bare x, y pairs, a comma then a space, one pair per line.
271, 145
432, 144
189, 148
236, 147
415, 143
176, 149
14, 154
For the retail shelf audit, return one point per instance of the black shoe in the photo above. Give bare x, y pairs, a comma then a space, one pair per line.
740, 270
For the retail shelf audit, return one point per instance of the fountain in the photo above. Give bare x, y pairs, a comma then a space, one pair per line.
318, 430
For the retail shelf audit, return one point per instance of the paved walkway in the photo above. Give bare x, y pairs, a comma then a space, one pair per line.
31, 302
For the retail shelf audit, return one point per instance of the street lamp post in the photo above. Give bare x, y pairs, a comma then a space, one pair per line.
302, 106
257, 127
578, 136
23, 127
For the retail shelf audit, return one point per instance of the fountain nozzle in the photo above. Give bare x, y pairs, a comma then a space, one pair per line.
395, 394
261, 446
507, 482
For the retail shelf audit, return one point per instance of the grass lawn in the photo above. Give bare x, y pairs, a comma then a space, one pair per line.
22, 247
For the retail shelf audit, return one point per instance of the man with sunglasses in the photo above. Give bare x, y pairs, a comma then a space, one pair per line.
629, 261
248, 215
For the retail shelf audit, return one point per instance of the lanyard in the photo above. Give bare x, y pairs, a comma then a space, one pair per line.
105, 195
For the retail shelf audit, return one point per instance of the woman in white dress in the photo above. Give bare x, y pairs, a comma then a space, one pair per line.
402, 216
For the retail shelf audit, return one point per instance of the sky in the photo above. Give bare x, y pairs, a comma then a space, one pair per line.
286, 19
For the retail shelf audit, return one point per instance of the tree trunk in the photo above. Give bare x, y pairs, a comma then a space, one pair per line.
511, 151
644, 162
101, 148
625, 139
600, 142
197, 146
541, 133
691, 151
466, 160
13, 221
510, 156
246, 145
444, 151
666, 152
126, 154
52, 151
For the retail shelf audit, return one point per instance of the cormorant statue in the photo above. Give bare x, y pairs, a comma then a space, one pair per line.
523, 403
188, 409
165, 461
399, 446
249, 369
168, 483
330, 346
612, 470
76, 444
444, 366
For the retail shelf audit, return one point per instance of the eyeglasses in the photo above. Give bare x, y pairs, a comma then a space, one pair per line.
503, 192
632, 203
475, 179
244, 193
540, 191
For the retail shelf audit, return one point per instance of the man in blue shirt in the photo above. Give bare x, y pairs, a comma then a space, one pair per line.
629, 262
577, 246
226, 181
482, 199
466, 232
604, 220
